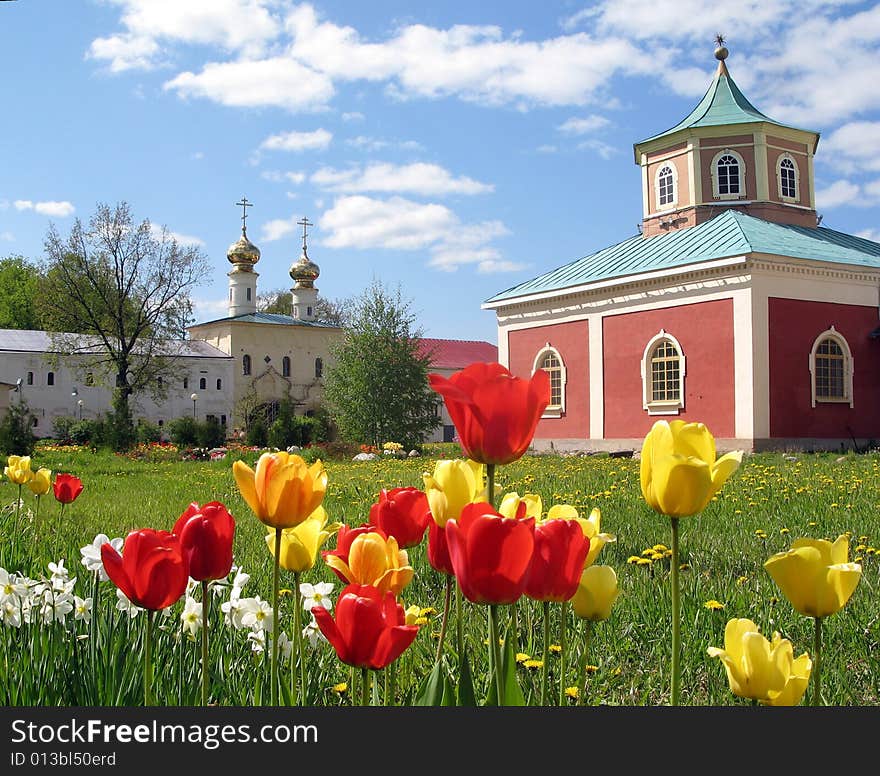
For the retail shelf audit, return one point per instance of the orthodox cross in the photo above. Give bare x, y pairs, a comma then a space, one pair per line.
244, 206
305, 223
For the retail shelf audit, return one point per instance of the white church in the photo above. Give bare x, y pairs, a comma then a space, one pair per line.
228, 366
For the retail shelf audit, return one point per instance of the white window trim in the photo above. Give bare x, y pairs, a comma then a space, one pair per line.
797, 179
669, 205
553, 411
666, 407
713, 171
848, 369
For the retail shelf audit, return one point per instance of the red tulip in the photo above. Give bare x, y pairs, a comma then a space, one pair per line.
494, 412
67, 488
370, 629
152, 571
491, 554
402, 513
206, 535
557, 561
438, 549
344, 537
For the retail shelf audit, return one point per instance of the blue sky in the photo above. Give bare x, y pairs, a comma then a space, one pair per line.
455, 148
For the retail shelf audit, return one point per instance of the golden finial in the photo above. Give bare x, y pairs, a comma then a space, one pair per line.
721, 53
243, 254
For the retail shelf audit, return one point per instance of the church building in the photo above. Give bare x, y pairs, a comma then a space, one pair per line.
733, 306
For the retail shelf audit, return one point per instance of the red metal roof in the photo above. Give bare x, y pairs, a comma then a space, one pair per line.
457, 354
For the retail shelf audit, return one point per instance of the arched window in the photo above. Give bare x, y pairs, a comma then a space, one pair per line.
219, 384
185, 383
787, 177
550, 361
831, 369
50, 378
203, 383
728, 175
666, 180
249, 293
30, 378
663, 370
285, 366
245, 364
319, 367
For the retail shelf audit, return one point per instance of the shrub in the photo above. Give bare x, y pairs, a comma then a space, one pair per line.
183, 431
257, 434
61, 428
148, 432
210, 434
16, 432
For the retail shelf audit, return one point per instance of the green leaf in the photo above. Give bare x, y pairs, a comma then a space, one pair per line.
466, 695
513, 695
435, 689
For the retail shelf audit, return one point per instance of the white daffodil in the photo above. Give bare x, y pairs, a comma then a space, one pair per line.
55, 608
191, 617
58, 571
257, 614
82, 609
316, 595
313, 633
11, 613
12, 587
124, 605
91, 555
257, 640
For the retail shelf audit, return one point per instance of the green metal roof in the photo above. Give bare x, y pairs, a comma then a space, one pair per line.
722, 104
276, 318
731, 233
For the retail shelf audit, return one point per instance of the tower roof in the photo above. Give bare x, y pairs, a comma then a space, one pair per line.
722, 104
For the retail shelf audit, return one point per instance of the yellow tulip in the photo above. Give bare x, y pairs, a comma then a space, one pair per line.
815, 575
18, 469
510, 504
596, 592
453, 484
301, 543
761, 670
41, 483
589, 525
283, 490
679, 471
373, 560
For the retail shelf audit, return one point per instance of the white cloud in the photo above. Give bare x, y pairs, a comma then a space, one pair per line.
854, 146
49, 208
397, 223
419, 178
244, 26
546, 149
838, 193
298, 141
275, 176
353, 116
279, 228
581, 126
869, 234
604, 150
367, 143
209, 309
197, 155
490, 266
277, 82
181, 239
7, 237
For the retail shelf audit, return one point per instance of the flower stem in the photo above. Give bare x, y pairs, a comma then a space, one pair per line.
563, 615
273, 693
490, 484
817, 662
365, 687
148, 661
459, 625
205, 604
495, 652
298, 696
585, 656
446, 601
545, 669
676, 614
93, 626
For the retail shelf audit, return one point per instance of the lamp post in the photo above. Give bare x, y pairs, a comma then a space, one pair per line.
79, 404
18, 389
194, 397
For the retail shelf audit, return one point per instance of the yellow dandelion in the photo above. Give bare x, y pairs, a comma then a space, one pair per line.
742, 580
684, 566
647, 553
572, 693
341, 688
521, 657
591, 669
643, 562
713, 605
633, 559
285, 591
556, 648
534, 664
427, 611
784, 531
761, 533
659, 548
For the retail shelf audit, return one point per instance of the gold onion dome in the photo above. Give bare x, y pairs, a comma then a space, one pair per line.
243, 251
305, 272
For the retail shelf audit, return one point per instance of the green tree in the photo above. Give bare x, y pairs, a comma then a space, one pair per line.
377, 386
19, 288
326, 310
16, 430
124, 288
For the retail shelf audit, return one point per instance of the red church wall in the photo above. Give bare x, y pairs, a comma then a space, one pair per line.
571, 340
705, 332
793, 328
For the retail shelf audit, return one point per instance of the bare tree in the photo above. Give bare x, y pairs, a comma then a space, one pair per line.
124, 288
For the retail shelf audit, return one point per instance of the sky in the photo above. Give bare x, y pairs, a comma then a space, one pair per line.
451, 149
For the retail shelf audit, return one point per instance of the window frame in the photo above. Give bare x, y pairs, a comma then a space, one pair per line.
553, 410
674, 201
797, 178
246, 365
848, 369
716, 188
285, 366
662, 406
